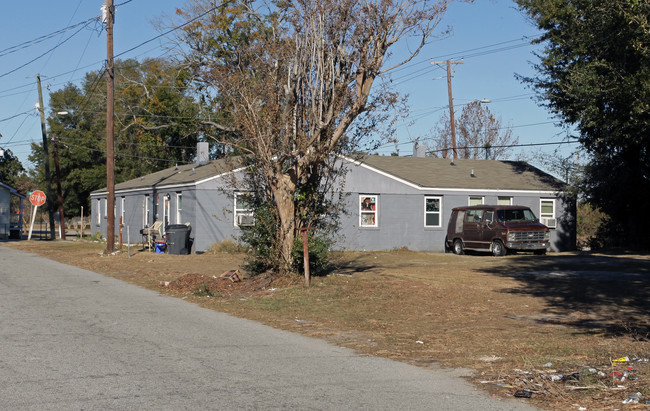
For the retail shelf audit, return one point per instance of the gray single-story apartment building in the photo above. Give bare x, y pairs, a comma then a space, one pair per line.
390, 202
11, 212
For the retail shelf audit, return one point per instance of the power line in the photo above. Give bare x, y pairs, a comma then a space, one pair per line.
16, 115
40, 39
170, 30
44, 54
122, 155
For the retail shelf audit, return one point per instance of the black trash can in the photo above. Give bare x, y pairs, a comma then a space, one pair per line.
178, 238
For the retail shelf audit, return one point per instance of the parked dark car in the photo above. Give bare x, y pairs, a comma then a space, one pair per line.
496, 229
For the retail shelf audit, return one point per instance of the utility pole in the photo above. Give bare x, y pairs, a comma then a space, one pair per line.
59, 197
451, 102
46, 156
109, 11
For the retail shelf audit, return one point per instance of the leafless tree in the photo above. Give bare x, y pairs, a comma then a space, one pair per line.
480, 135
301, 82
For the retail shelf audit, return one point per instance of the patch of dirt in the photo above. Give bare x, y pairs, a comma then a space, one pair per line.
202, 285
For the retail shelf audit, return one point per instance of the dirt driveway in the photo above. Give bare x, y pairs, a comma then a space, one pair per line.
548, 329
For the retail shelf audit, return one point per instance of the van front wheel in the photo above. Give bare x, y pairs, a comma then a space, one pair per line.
458, 247
498, 249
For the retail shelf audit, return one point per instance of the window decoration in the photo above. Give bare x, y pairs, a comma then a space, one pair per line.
368, 208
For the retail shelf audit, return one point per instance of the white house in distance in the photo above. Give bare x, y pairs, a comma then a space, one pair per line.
390, 202
11, 212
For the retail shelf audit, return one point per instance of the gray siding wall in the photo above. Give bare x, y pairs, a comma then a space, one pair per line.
208, 207
5, 212
401, 213
214, 213
135, 210
214, 216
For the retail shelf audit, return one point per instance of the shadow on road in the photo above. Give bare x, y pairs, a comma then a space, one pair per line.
595, 293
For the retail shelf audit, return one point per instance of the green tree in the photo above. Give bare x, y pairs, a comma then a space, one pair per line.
155, 127
299, 83
594, 74
10, 169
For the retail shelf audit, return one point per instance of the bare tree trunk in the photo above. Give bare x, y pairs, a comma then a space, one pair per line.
283, 192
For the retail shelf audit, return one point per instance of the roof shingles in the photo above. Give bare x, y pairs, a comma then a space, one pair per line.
465, 174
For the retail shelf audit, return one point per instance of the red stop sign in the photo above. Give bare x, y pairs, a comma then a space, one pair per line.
37, 198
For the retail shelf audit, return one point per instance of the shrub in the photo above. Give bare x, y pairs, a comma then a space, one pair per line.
227, 246
319, 255
262, 254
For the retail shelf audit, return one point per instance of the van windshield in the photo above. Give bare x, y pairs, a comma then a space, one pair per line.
523, 214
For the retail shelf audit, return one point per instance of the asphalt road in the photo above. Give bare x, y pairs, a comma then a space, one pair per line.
73, 339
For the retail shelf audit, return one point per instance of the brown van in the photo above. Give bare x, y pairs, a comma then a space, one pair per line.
496, 229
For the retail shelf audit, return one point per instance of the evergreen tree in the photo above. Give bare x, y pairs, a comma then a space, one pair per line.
594, 74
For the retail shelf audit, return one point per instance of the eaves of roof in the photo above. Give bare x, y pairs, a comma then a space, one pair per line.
183, 175
12, 190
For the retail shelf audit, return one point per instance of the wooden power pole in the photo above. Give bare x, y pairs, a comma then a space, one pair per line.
46, 157
109, 11
451, 102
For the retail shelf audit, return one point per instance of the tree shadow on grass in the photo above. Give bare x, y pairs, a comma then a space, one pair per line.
600, 294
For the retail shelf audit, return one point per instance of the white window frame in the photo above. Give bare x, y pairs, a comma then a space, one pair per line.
123, 209
99, 211
439, 212
469, 200
509, 198
146, 210
367, 213
548, 219
242, 213
179, 208
105, 207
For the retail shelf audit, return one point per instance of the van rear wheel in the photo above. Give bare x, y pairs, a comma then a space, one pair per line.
498, 249
458, 247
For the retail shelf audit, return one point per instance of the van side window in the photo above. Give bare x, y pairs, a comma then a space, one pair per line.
459, 221
474, 216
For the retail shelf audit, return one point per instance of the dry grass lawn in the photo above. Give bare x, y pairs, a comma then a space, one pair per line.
545, 327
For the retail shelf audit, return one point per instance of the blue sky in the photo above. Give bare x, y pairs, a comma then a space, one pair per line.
491, 37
